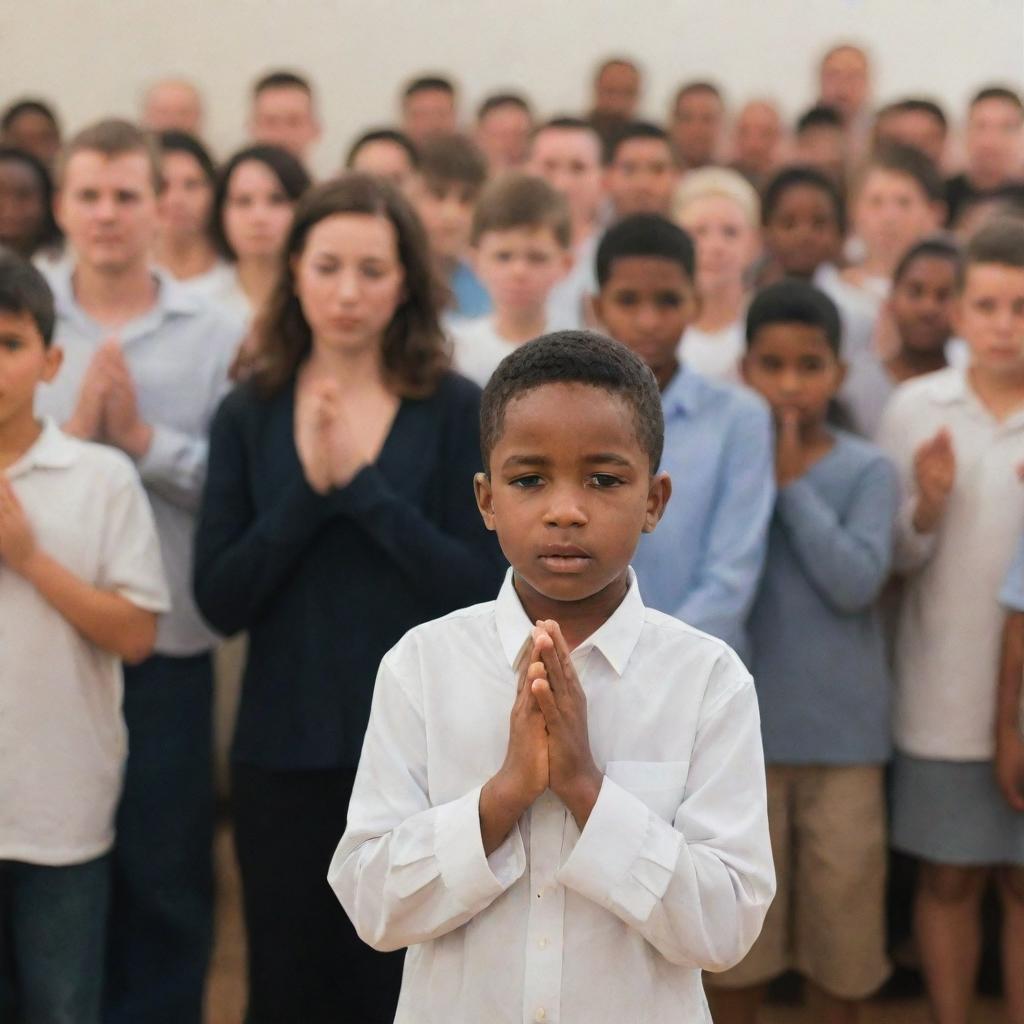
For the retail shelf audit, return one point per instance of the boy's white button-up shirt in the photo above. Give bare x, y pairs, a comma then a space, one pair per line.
671, 875
62, 738
947, 649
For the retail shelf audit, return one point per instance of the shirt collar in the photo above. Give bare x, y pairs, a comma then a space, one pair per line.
53, 449
615, 638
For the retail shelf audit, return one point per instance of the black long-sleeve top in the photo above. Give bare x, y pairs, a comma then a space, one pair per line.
326, 585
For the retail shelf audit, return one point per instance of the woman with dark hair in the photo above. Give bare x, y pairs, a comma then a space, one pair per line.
185, 247
32, 125
27, 224
338, 514
253, 200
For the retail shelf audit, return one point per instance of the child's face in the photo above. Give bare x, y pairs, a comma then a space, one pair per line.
569, 160
520, 266
642, 177
646, 304
795, 369
989, 314
892, 213
569, 490
922, 304
25, 362
802, 232
726, 242
446, 209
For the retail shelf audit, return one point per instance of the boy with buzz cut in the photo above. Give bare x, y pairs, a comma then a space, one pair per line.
818, 656
560, 804
521, 241
80, 586
703, 565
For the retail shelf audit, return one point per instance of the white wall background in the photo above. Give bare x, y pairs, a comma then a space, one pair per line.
94, 57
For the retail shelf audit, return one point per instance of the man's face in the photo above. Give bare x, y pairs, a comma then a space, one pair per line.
569, 160
503, 134
758, 133
107, 207
172, 106
617, 91
995, 130
915, 128
642, 177
697, 127
428, 114
283, 116
844, 81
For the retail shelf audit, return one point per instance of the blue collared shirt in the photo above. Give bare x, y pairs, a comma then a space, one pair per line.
178, 353
703, 562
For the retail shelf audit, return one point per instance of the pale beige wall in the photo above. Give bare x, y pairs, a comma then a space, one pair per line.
95, 56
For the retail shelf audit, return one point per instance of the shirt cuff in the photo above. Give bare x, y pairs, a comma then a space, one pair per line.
625, 856
473, 878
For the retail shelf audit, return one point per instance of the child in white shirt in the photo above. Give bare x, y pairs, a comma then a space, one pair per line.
560, 805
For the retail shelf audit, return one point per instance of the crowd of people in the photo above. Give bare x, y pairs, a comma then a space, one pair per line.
778, 395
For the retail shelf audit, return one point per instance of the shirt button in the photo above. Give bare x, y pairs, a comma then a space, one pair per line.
540, 1014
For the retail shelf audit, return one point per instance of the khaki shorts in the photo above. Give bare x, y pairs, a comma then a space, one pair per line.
827, 827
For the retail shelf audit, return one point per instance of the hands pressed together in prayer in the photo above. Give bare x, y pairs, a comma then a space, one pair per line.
324, 438
548, 744
108, 408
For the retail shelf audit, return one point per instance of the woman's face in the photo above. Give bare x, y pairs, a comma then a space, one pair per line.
22, 207
349, 280
726, 242
257, 211
186, 197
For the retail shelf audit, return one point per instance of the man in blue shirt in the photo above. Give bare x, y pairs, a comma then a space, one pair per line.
704, 562
145, 365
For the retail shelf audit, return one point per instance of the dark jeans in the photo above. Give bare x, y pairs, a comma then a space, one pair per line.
52, 926
306, 962
161, 922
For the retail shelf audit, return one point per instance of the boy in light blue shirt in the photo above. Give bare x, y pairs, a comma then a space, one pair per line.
818, 657
704, 563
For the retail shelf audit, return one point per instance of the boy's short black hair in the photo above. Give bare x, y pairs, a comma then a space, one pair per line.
502, 99
428, 83
384, 135
282, 80
28, 106
637, 130
645, 234
936, 247
24, 290
909, 161
795, 177
794, 302
997, 92
575, 357
1001, 241
819, 116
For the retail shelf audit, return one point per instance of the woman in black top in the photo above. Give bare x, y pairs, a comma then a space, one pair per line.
338, 514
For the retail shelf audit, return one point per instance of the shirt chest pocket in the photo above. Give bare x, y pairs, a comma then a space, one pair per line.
659, 784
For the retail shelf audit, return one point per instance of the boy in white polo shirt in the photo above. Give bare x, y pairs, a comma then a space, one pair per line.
560, 805
80, 587
957, 437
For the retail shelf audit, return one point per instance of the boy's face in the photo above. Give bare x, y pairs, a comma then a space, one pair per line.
892, 212
569, 160
802, 232
642, 177
570, 490
725, 240
646, 304
446, 209
795, 369
989, 314
25, 362
520, 266
995, 133
922, 304
108, 209
284, 117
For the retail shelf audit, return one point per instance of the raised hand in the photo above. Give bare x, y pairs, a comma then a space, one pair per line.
573, 775
17, 541
934, 476
790, 458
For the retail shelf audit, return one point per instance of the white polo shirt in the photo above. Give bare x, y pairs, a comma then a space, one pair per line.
948, 642
62, 737
671, 874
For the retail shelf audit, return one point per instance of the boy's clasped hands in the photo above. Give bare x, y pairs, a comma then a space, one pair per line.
548, 743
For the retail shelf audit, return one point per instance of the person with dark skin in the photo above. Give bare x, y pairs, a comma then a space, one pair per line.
32, 125
27, 224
